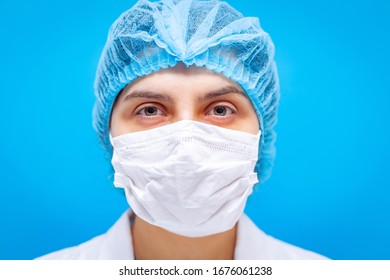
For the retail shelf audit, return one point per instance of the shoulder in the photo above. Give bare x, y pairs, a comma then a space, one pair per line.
85, 251
115, 244
253, 243
280, 250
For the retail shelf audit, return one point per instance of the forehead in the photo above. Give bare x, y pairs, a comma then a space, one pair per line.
196, 80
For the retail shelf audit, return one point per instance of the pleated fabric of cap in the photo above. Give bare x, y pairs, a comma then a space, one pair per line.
155, 35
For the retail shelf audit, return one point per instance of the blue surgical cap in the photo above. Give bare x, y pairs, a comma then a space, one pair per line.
155, 35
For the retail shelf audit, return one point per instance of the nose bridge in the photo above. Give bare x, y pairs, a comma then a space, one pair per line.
185, 114
185, 107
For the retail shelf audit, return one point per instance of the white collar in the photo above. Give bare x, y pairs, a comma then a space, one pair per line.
252, 243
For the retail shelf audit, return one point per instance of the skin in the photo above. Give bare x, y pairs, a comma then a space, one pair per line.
165, 97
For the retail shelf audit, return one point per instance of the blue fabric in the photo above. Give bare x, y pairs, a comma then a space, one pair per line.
154, 35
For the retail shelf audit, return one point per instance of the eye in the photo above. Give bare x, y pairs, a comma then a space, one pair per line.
150, 111
220, 111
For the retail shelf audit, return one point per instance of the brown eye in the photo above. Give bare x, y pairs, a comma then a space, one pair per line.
150, 111
220, 111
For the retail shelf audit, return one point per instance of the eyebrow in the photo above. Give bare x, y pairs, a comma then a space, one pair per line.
166, 98
220, 92
147, 94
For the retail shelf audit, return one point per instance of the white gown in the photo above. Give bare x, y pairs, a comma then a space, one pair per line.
116, 244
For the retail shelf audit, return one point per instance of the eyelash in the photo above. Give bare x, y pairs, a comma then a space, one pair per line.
228, 111
228, 114
209, 111
140, 111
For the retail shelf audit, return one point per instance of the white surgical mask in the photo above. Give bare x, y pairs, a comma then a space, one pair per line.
190, 178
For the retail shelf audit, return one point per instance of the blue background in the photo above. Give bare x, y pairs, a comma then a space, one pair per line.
329, 191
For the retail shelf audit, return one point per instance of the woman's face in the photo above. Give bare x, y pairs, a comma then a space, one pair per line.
181, 93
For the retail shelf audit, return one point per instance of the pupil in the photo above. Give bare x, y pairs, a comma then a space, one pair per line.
151, 110
220, 110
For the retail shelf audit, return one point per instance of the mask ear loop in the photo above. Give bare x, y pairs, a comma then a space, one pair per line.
111, 141
120, 179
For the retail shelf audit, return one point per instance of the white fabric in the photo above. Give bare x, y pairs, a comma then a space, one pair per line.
116, 244
190, 178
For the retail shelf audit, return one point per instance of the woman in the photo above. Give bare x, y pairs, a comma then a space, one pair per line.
187, 95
